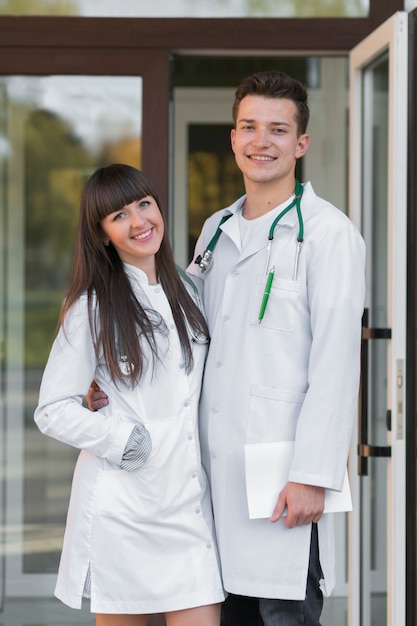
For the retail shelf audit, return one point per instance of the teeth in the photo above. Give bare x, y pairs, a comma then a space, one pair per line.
143, 235
262, 158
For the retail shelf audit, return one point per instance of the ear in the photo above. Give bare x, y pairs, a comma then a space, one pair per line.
232, 138
302, 145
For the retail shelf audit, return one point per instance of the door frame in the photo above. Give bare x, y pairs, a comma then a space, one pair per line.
58, 45
391, 37
411, 389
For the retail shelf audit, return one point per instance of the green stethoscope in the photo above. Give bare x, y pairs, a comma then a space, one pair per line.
206, 260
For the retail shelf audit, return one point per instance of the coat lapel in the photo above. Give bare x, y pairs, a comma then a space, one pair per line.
259, 240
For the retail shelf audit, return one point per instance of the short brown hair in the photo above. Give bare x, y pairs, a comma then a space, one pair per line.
274, 84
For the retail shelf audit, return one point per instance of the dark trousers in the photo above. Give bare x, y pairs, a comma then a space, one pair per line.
244, 611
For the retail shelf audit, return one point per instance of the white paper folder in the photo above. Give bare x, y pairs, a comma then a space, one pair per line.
267, 471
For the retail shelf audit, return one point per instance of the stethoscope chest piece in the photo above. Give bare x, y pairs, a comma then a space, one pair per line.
206, 261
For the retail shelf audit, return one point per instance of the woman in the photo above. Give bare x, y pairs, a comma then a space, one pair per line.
139, 537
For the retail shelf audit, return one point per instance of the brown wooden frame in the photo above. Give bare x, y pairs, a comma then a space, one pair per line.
142, 47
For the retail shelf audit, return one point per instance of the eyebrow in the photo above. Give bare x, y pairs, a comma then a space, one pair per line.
251, 121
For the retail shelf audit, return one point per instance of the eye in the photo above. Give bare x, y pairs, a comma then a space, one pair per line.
118, 216
144, 203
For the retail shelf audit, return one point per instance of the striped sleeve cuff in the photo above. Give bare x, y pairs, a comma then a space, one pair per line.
137, 450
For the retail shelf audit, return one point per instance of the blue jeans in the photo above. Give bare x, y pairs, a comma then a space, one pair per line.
244, 611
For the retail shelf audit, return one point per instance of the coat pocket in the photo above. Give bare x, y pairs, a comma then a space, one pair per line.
280, 311
273, 414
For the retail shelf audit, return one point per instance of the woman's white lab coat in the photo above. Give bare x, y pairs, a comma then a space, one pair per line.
145, 537
294, 377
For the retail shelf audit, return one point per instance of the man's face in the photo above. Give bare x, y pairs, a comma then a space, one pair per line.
265, 141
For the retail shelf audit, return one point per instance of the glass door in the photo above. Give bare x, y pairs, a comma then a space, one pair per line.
378, 177
54, 131
206, 178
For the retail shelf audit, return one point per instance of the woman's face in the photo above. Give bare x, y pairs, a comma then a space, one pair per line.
136, 232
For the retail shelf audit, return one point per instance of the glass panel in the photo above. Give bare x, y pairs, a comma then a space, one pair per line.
188, 8
54, 131
226, 71
376, 192
213, 177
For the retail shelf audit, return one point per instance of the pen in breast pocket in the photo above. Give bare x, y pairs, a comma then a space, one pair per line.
266, 294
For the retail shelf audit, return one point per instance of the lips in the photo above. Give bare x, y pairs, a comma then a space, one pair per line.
255, 157
144, 235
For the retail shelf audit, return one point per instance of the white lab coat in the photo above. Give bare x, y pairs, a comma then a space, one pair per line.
295, 377
145, 537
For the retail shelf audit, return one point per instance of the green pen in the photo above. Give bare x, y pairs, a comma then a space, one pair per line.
266, 295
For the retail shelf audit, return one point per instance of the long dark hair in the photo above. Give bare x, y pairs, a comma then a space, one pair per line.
116, 316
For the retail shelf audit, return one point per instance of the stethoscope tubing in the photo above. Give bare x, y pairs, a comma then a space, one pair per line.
205, 261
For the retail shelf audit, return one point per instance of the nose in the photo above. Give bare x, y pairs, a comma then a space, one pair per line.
137, 219
261, 137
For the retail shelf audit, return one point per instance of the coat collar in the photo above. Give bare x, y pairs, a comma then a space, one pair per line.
259, 240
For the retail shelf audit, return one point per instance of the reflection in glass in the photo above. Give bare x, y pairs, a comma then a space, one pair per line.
214, 180
190, 8
56, 131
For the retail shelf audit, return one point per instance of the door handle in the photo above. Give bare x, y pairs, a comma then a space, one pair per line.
365, 449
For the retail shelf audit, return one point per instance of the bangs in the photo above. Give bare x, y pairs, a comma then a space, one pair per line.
111, 188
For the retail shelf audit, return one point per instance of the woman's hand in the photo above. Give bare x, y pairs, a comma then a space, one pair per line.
96, 398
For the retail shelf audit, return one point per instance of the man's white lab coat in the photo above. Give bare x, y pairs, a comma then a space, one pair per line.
294, 376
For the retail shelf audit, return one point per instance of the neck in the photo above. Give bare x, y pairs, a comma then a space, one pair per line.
261, 200
148, 266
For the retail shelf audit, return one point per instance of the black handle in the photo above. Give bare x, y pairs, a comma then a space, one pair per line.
365, 449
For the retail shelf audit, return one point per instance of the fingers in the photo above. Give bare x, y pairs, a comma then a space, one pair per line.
279, 508
301, 520
96, 398
305, 504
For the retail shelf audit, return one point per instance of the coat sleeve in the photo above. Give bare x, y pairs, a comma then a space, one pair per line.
67, 377
336, 293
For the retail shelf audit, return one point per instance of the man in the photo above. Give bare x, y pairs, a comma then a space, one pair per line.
288, 372
284, 300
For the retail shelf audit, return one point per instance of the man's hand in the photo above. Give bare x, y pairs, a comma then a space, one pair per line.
96, 398
305, 504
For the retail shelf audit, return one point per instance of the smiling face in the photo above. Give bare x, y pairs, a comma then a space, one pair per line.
266, 142
136, 232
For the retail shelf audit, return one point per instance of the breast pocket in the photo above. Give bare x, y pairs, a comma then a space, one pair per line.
281, 307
